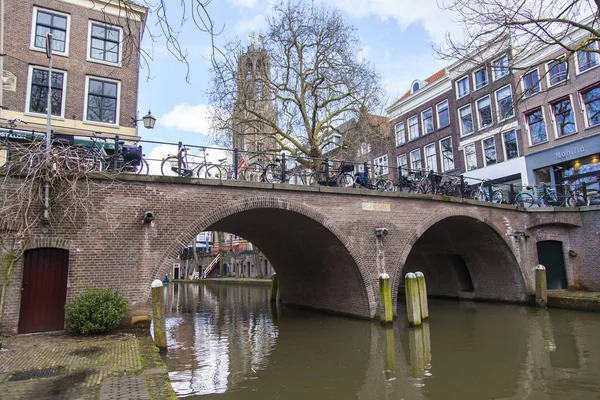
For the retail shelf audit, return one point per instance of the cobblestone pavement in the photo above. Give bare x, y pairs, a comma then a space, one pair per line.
59, 366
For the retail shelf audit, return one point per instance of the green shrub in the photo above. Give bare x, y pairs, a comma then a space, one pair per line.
95, 311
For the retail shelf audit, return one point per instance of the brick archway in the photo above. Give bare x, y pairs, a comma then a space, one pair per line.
326, 263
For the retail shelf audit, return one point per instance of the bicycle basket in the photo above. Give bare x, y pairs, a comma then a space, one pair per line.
347, 168
132, 153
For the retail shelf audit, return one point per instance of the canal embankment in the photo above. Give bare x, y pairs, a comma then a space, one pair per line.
574, 300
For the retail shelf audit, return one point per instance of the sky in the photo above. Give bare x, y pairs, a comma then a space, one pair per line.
397, 36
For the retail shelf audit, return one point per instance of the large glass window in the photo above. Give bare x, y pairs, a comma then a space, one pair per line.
537, 127
470, 157
415, 159
381, 165
466, 120
484, 111
462, 87
427, 121
447, 154
510, 144
591, 103
531, 83
54, 23
563, 117
443, 115
481, 78
588, 59
104, 43
557, 72
102, 101
38, 92
400, 133
505, 103
413, 128
500, 67
430, 158
489, 151
402, 161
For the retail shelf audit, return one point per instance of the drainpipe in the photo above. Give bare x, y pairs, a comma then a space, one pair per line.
48, 129
1, 55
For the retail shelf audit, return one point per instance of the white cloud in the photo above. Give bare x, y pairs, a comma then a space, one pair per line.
244, 3
187, 117
157, 155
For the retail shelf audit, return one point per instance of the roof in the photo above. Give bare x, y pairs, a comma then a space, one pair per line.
429, 80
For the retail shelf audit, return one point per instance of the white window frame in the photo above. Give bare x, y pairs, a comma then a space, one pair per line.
410, 138
64, 92
423, 122
403, 171
85, 102
577, 71
529, 136
479, 116
553, 116
539, 83
458, 95
403, 141
485, 164
34, 25
381, 161
505, 152
460, 125
495, 77
412, 160
466, 159
487, 76
437, 113
89, 44
499, 109
548, 74
427, 166
442, 154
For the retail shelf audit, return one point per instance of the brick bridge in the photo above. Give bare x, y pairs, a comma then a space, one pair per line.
320, 240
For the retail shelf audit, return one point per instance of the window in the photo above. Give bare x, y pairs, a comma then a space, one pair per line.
591, 103
470, 157
500, 67
564, 118
413, 128
381, 162
50, 22
537, 127
505, 103
489, 151
427, 121
443, 115
557, 72
447, 154
400, 134
481, 78
37, 99
364, 148
102, 101
430, 158
510, 144
587, 60
415, 87
466, 120
484, 112
402, 164
104, 43
462, 87
415, 159
531, 83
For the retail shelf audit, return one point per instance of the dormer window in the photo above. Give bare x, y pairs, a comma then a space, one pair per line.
415, 87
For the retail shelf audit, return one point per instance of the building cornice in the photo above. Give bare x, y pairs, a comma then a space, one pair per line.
122, 9
420, 97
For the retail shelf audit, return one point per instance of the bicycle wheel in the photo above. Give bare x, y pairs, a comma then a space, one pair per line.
386, 185
273, 173
555, 199
345, 180
523, 200
168, 167
254, 172
213, 172
424, 186
477, 195
497, 196
140, 167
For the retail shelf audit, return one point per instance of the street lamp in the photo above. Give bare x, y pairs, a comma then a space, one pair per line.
148, 119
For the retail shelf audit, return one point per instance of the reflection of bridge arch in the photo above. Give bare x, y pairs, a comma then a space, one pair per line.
463, 256
316, 262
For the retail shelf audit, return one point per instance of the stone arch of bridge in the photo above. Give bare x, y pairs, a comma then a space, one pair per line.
318, 265
463, 256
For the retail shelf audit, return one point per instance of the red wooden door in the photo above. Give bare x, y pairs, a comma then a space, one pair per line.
44, 290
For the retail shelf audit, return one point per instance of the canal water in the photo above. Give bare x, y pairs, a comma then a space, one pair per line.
228, 342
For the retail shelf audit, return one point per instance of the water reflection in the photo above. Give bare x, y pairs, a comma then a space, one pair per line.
224, 343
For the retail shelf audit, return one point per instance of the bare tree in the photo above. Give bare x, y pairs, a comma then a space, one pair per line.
528, 25
308, 81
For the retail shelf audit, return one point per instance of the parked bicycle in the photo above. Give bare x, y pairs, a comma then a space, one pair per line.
253, 172
380, 183
481, 194
546, 198
341, 177
185, 164
296, 175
